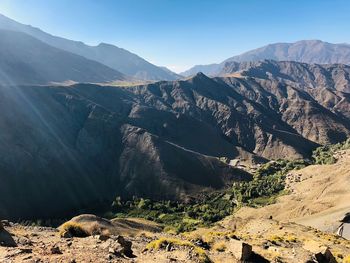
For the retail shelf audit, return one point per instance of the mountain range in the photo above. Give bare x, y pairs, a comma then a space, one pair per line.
307, 51
71, 141
109, 55
80, 146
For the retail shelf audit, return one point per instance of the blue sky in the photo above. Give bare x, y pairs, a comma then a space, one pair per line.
181, 33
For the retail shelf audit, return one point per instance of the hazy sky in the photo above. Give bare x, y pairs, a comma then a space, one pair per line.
181, 33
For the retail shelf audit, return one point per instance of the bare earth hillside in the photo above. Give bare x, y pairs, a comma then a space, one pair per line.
319, 196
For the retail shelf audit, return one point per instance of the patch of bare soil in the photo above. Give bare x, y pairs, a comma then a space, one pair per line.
319, 197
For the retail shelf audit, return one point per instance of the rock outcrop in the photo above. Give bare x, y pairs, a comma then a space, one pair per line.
240, 250
6, 239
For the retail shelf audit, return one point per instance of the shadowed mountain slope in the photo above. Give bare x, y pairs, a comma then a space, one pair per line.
81, 146
26, 60
61, 151
109, 55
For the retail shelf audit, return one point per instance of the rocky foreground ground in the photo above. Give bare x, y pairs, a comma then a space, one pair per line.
231, 240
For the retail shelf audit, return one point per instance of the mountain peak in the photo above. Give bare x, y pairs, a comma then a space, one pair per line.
201, 75
307, 51
103, 44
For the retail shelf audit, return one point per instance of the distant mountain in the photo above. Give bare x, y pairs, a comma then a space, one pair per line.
26, 60
333, 76
175, 75
109, 55
307, 51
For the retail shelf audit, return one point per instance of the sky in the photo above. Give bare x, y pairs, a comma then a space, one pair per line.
182, 33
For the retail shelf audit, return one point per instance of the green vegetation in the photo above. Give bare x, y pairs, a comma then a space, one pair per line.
268, 183
325, 154
176, 216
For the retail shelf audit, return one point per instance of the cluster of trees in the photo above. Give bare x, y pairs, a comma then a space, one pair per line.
325, 154
267, 184
176, 215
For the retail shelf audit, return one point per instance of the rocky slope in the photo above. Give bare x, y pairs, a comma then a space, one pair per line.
307, 51
111, 56
335, 77
81, 146
232, 240
26, 61
309, 87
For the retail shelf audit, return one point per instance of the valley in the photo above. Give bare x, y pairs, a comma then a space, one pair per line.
106, 156
284, 231
119, 138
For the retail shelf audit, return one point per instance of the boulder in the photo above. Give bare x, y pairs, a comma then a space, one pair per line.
6, 239
5, 223
101, 237
240, 250
55, 250
324, 255
126, 247
118, 246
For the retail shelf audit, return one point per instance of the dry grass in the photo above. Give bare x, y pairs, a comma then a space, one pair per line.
162, 243
219, 246
75, 229
347, 259
286, 238
208, 235
97, 229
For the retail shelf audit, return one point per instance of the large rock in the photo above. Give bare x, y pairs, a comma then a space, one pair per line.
126, 246
240, 250
324, 255
6, 239
119, 246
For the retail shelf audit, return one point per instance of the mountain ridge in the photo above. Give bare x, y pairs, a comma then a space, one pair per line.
26, 60
168, 139
114, 57
308, 51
